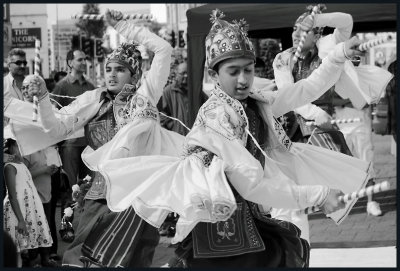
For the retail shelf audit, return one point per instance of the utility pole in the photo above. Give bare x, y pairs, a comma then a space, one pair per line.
177, 24
58, 41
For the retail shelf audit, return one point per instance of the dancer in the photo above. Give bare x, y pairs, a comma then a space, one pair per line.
103, 112
313, 51
224, 175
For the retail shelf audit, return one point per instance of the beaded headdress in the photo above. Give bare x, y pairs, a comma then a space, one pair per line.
321, 7
128, 55
227, 40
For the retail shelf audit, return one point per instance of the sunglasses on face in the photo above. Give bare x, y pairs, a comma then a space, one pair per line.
19, 62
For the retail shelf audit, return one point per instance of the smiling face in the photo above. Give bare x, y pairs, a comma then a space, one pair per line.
117, 76
235, 76
28, 96
17, 65
78, 63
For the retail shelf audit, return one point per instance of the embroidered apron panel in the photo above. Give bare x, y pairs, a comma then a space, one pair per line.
238, 235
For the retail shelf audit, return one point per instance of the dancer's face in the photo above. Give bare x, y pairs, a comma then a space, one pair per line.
309, 42
117, 76
235, 76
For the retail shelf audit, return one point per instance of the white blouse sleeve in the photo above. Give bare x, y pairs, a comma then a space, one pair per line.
157, 76
267, 186
309, 89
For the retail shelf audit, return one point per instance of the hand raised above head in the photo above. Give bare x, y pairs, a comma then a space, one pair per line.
112, 17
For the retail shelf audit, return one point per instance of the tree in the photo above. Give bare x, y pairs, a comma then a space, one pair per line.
91, 28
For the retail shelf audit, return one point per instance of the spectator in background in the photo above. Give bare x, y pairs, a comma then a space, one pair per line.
259, 68
175, 102
269, 49
12, 82
50, 84
23, 213
43, 165
59, 75
72, 85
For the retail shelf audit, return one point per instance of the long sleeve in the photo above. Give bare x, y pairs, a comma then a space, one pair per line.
283, 69
157, 76
307, 90
342, 22
267, 187
310, 111
69, 118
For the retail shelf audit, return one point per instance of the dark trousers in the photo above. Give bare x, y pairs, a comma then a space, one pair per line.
95, 219
72, 163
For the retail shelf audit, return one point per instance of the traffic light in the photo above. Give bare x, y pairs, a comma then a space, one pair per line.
76, 43
98, 48
181, 41
87, 46
173, 39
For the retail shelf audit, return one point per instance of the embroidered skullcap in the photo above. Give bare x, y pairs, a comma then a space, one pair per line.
321, 7
227, 40
128, 55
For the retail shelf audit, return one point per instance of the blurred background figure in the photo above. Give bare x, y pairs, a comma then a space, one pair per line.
259, 68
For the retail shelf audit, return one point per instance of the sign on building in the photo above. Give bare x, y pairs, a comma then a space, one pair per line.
25, 37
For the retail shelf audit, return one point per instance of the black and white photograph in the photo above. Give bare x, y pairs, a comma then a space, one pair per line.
199, 135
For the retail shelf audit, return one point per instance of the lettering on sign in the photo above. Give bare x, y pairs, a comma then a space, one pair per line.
25, 37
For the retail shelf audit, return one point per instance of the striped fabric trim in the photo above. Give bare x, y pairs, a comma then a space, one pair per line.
323, 140
120, 238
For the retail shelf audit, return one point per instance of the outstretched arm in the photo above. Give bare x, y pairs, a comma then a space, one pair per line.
309, 89
270, 186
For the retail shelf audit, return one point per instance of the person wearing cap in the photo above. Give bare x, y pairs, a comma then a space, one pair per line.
330, 104
237, 159
106, 113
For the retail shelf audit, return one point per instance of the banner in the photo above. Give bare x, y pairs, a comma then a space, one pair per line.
25, 37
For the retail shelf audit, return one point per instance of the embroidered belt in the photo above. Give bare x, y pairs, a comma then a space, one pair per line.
235, 236
281, 134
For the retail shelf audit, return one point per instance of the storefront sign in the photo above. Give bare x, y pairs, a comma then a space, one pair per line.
25, 37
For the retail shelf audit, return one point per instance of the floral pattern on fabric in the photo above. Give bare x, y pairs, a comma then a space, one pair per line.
32, 209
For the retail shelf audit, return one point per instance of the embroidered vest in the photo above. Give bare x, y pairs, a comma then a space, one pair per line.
111, 117
101, 129
237, 235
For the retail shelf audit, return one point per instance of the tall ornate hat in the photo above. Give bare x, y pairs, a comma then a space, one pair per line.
128, 55
321, 7
227, 40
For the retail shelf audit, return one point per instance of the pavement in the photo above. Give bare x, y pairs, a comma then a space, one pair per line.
359, 241
353, 257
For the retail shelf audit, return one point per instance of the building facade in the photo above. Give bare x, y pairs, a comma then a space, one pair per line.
176, 19
29, 22
61, 42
